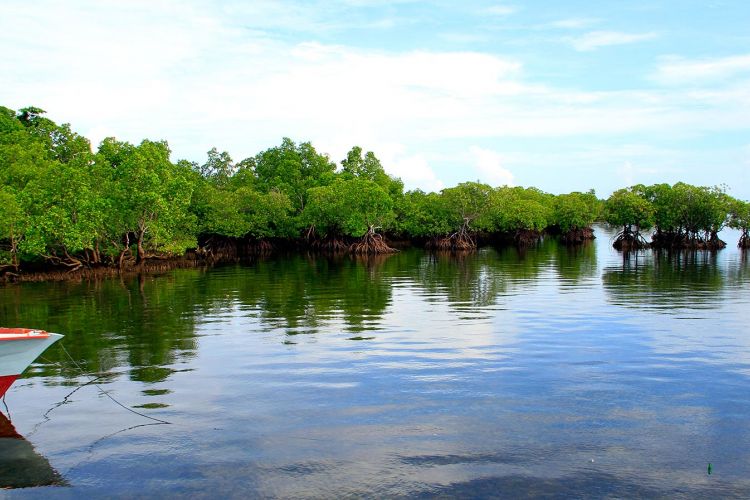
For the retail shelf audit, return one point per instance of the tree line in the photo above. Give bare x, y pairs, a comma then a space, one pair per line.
679, 216
64, 204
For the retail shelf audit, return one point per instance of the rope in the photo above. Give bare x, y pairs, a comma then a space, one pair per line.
7, 411
92, 381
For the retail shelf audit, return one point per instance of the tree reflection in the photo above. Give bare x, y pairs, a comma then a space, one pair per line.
139, 323
668, 279
574, 263
147, 325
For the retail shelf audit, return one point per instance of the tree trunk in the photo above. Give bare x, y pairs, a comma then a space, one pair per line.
125, 249
141, 251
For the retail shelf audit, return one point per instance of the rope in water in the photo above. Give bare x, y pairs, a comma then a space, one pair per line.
92, 382
7, 410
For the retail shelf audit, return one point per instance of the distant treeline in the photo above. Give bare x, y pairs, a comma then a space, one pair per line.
62, 204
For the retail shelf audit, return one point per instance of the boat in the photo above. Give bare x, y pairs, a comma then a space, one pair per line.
19, 347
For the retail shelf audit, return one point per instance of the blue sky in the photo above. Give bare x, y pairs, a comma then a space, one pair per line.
559, 95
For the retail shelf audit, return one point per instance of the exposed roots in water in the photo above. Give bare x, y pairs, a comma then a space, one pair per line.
526, 237
95, 273
577, 236
714, 243
329, 244
215, 250
326, 243
371, 243
627, 240
450, 255
265, 246
372, 261
744, 239
679, 240
459, 241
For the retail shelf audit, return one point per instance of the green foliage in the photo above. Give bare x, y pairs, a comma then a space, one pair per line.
740, 219
739, 215
64, 209
220, 212
625, 208
686, 215
12, 223
423, 215
218, 168
467, 206
518, 209
149, 197
348, 207
265, 214
293, 169
575, 211
368, 167
62, 202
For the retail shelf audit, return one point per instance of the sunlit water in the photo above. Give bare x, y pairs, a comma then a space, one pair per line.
549, 372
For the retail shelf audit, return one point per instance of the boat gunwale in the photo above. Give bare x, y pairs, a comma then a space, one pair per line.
22, 334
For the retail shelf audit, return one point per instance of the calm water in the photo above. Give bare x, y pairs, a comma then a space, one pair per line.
550, 372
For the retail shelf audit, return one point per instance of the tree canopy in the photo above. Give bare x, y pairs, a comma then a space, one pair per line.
66, 204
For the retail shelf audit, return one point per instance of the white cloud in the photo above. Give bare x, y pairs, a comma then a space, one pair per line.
631, 174
500, 10
198, 78
596, 39
676, 70
573, 23
416, 172
489, 164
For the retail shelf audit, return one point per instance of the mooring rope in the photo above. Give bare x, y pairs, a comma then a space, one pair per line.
92, 382
7, 410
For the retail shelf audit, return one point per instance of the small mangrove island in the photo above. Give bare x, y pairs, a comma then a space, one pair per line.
65, 207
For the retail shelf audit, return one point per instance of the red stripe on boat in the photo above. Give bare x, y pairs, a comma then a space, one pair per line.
22, 333
5, 382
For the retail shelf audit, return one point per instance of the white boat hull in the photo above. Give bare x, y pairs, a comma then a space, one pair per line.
18, 353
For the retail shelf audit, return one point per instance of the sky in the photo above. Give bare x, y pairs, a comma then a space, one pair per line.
562, 96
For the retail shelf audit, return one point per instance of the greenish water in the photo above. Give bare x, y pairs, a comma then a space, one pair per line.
548, 372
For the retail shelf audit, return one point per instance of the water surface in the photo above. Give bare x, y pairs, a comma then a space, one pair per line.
503, 373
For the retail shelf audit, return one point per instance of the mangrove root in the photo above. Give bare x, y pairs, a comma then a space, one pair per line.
329, 245
458, 241
526, 237
627, 240
371, 243
577, 236
679, 240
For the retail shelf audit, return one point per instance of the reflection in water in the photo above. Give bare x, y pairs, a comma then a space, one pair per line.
551, 371
20, 465
669, 280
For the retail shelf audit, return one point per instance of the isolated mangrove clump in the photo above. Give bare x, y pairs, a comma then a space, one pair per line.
739, 218
574, 214
685, 216
631, 212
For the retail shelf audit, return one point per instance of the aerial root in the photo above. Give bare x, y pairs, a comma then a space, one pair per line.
459, 241
371, 243
577, 236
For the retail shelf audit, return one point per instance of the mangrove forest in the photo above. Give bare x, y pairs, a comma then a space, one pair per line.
66, 206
